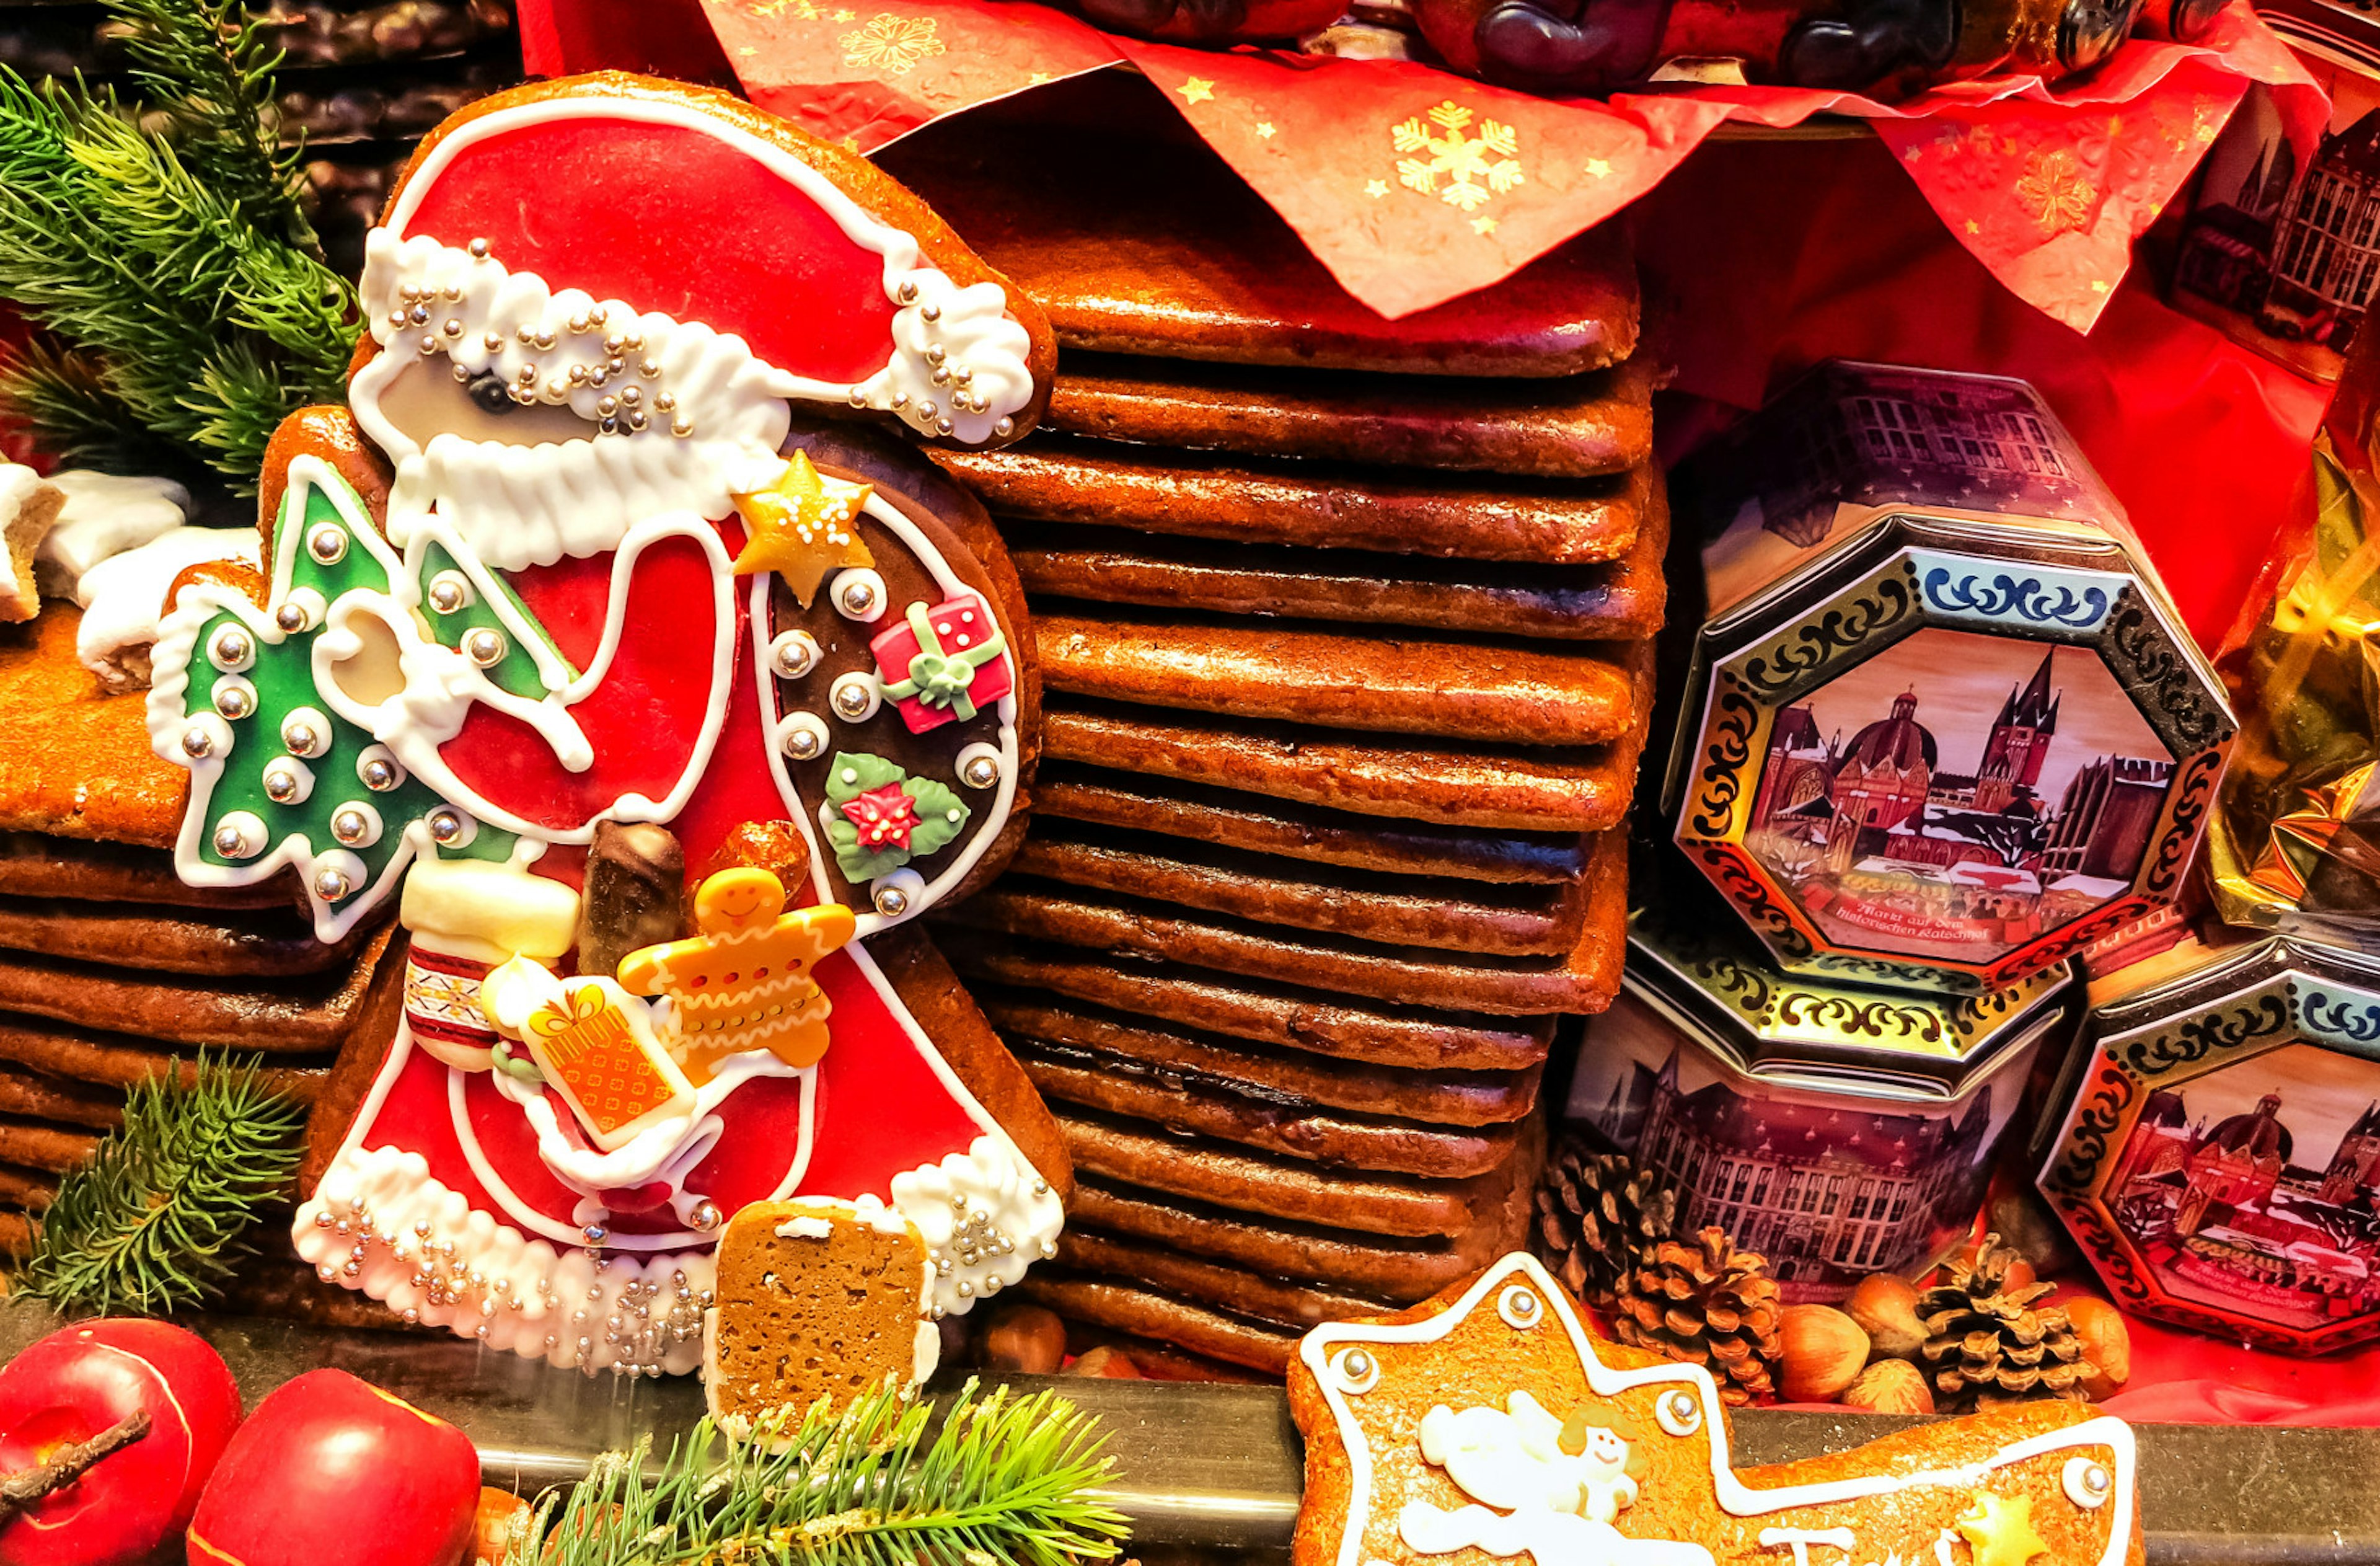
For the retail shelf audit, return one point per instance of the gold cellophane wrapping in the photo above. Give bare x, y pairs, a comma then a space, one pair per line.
2297, 840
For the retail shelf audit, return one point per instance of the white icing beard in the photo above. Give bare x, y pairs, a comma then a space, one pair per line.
379, 1224
676, 415
689, 409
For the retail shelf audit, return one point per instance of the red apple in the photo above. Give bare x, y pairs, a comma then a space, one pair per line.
82, 1382
330, 1468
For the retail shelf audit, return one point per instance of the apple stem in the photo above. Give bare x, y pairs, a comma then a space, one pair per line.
20, 1490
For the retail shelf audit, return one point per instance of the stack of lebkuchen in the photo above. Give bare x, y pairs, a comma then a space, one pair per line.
1344, 630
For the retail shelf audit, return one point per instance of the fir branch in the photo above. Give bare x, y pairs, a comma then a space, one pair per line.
176, 264
998, 1482
155, 1221
207, 68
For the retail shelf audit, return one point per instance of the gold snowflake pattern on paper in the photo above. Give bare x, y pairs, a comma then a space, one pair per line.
1464, 170
895, 46
800, 10
2054, 191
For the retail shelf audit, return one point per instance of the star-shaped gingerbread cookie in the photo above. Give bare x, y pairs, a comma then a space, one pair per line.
801, 526
744, 982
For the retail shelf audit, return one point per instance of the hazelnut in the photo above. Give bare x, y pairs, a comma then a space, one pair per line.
1824, 1350
1024, 1340
2107, 1343
1105, 1364
1889, 1386
1885, 1306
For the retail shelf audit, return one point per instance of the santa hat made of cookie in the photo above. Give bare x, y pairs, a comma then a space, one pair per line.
593, 301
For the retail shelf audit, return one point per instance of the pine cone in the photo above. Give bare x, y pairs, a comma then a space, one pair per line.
1708, 1303
1596, 1215
1985, 1342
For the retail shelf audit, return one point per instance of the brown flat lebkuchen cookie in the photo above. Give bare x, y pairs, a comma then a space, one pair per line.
1362, 905
1619, 600
1144, 1313
1114, 234
1203, 1282
1308, 1020
51, 1148
1171, 1054
54, 1100
1576, 428
1309, 505
1228, 818
32, 865
115, 1062
1204, 1168
78, 762
1500, 788
1580, 980
1491, 692
155, 940
1185, 1103
1393, 1268
294, 1017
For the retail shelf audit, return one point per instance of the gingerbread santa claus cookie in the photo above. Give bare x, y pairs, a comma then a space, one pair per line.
602, 637
1489, 1424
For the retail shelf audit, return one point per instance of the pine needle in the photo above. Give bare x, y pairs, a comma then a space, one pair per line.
155, 1221
174, 262
998, 1482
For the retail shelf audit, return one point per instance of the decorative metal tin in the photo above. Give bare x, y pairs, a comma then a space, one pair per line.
1835, 1131
1943, 727
2221, 1158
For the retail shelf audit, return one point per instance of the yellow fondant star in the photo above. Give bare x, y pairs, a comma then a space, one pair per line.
744, 983
1999, 1530
801, 526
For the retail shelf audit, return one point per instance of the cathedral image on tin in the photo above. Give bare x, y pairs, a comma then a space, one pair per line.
1957, 793
2253, 1187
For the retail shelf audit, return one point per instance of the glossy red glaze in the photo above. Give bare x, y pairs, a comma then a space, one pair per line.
330, 1468
78, 1382
645, 718
675, 219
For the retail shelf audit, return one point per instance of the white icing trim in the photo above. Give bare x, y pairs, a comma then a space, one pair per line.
706, 1128
773, 715
1734, 1497
970, 323
363, 1228
1011, 1216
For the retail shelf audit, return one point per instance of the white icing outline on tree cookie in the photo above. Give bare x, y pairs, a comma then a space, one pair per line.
1731, 1494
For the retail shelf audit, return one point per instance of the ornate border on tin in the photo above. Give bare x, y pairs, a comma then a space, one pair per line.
1915, 586
2263, 999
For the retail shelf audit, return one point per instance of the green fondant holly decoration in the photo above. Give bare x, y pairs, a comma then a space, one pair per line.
277, 777
885, 818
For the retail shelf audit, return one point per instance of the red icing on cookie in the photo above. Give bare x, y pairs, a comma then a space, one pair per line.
645, 719
675, 219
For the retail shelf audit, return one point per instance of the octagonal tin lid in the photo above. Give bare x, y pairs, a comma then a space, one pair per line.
1699, 970
2219, 1158
1946, 751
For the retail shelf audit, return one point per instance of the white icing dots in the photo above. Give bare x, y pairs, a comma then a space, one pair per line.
232, 649
239, 835
288, 781
234, 697
1357, 1370
858, 594
1520, 1307
978, 765
794, 654
306, 732
898, 892
2087, 1482
803, 736
856, 695
1677, 1412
